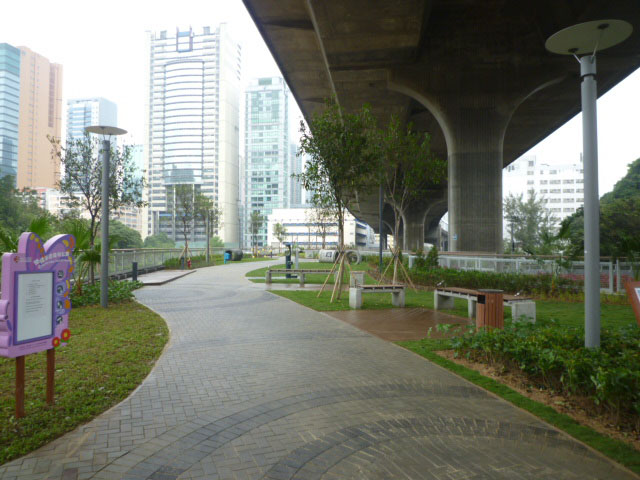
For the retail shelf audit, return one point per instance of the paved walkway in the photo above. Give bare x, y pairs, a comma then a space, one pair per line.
160, 277
396, 324
253, 386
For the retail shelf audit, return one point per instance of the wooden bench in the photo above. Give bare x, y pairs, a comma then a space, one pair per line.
443, 297
396, 291
300, 272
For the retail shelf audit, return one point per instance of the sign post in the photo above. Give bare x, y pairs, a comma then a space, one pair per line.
633, 292
35, 304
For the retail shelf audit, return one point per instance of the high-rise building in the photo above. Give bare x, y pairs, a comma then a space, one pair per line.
85, 112
560, 186
193, 126
9, 109
40, 118
267, 150
295, 187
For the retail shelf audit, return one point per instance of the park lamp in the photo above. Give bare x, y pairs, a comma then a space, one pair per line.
583, 41
107, 133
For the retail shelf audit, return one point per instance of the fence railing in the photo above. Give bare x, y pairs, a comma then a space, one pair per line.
612, 274
121, 260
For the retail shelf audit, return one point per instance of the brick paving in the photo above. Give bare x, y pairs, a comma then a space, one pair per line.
253, 386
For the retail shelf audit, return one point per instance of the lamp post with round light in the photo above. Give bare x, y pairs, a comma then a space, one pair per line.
107, 133
586, 39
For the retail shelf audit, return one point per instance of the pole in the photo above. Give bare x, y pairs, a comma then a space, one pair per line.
591, 203
104, 250
380, 226
208, 235
51, 371
20, 386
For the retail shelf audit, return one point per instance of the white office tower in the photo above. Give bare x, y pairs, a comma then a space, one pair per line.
559, 185
267, 168
192, 126
85, 112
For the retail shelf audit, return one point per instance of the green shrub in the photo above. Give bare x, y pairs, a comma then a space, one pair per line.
196, 261
554, 357
509, 282
119, 291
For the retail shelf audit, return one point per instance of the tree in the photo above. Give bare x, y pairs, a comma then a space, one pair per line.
280, 232
211, 215
125, 237
532, 226
159, 240
256, 221
216, 241
619, 220
321, 220
81, 162
339, 159
18, 212
408, 170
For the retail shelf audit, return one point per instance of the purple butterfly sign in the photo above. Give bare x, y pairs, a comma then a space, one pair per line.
35, 304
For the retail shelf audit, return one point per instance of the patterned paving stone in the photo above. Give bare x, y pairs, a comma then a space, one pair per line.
253, 386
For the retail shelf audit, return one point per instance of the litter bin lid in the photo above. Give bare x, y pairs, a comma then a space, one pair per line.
489, 290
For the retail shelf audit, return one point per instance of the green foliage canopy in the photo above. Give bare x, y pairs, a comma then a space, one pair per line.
619, 220
531, 225
341, 158
159, 240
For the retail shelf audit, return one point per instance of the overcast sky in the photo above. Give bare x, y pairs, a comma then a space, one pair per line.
101, 46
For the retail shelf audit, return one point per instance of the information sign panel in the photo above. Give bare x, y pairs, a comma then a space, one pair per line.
35, 304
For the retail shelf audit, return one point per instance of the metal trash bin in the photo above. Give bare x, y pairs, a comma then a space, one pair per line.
490, 309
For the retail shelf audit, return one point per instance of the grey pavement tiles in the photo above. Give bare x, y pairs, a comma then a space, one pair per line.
253, 386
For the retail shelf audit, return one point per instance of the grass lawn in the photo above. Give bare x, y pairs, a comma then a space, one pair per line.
109, 353
565, 313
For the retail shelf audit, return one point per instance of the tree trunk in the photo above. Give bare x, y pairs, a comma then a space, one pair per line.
92, 243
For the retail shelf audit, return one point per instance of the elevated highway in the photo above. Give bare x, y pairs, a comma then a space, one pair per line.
475, 74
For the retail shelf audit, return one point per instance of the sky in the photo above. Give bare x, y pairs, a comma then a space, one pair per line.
102, 49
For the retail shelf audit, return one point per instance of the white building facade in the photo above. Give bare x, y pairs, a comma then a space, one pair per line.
85, 112
560, 186
192, 125
302, 230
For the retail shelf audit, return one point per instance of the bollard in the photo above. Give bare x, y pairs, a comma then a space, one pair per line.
134, 271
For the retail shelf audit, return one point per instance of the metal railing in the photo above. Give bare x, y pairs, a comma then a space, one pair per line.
612, 274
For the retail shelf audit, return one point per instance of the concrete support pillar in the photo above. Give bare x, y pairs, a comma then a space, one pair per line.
474, 139
413, 232
473, 107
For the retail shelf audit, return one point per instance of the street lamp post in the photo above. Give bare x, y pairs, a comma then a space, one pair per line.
586, 39
106, 133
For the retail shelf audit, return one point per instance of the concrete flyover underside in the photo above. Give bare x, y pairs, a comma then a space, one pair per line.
474, 74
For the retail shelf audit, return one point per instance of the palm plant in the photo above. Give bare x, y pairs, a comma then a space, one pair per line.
41, 226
